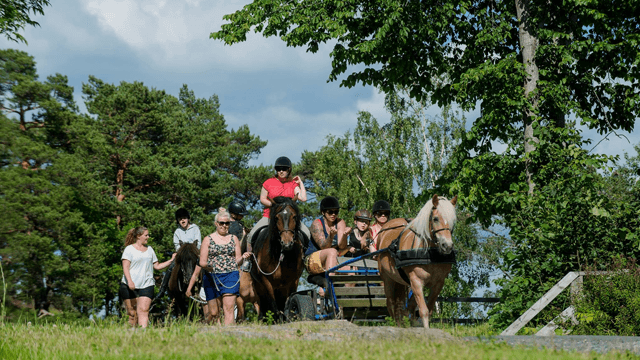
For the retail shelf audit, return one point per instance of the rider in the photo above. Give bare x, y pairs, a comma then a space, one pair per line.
381, 212
186, 231
328, 234
360, 241
237, 211
280, 185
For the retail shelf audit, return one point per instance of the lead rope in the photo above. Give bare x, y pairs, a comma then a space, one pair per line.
277, 266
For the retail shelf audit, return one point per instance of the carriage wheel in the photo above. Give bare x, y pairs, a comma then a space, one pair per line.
299, 307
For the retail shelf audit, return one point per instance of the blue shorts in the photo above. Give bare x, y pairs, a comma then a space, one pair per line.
217, 284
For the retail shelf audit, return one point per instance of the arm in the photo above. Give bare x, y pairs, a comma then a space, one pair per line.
160, 266
204, 252
192, 282
343, 234
300, 190
317, 233
263, 197
126, 264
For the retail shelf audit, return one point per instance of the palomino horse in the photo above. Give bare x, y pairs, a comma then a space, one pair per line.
277, 262
420, 254
185, 263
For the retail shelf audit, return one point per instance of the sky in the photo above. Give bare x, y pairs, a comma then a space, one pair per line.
281, 93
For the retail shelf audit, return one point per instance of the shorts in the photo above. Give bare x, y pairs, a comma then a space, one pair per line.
313, 264
215, 285
125, 293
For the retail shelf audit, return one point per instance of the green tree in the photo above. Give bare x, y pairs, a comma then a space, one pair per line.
529, 65
15, 15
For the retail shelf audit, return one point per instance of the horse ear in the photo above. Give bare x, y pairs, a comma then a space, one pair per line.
180, 242
196, 243
434, 200
454, 200
295, 198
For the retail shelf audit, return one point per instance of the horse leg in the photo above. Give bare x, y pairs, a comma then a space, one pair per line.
392, 291
433, 296
240, 305
417, 286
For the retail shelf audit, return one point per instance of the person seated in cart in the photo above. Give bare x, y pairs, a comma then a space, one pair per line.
328, 234
381, 212
360, 241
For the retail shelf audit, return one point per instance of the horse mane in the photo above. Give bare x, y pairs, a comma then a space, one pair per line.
278, 204
420, 224
186, 252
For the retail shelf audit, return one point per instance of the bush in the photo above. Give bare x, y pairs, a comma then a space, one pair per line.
610, 304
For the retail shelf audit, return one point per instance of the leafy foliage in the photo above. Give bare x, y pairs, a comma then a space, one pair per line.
15, 15
610, 304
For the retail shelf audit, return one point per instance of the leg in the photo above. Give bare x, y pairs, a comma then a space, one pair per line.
264, 221
143, 310
240, 304
213, 311
417, 285
130, 304
228, 305
329, 258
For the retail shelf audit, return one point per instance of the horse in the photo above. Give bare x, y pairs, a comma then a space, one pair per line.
277, 263
185, 263
420, 253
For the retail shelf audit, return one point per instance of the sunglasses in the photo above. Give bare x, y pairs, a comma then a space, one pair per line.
386, 214
224, 223
333, 212
282, 168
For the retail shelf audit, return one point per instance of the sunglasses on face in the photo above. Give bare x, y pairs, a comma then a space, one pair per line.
224, 223
333, 212
282, 168
380, 214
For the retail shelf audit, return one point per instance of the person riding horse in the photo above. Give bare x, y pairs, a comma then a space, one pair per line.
282, 184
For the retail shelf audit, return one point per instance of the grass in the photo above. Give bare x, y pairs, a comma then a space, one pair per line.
111, 339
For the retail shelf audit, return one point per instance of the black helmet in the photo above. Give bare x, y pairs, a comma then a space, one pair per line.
362, 214
381, 205
182, 213
282, 161
236, 207
329, 202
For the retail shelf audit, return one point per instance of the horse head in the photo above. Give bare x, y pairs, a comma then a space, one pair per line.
186, 260
435, 223
284, 222
442, 219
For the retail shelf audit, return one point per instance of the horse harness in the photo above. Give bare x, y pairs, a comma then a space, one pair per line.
417, 256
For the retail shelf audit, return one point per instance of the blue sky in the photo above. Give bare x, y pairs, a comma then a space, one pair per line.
280, 92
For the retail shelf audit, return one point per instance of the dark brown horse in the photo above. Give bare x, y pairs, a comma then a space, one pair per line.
184, 265
277, 264
429, 237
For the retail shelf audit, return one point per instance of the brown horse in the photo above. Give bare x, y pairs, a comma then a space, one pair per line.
185, 263
420, 255
277, 264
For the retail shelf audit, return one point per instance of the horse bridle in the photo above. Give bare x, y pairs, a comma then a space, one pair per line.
286, 226
432, 233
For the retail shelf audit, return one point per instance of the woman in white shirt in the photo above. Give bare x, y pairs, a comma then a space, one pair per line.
136, 287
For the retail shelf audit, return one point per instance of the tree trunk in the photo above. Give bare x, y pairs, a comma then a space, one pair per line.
528, 47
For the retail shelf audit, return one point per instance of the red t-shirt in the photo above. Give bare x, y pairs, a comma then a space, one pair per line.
276, 188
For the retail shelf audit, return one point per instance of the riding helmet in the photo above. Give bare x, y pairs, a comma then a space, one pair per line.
362, 214
381, 205
329, 202
282, 161
182, 213
236, 207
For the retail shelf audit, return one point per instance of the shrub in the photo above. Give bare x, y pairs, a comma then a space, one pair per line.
610, 304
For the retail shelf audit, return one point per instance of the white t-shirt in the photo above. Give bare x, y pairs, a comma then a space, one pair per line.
141, 268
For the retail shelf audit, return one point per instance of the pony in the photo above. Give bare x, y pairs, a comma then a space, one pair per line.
185, 263
420, 253
277, 263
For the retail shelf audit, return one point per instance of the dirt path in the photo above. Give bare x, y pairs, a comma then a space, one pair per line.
331, 330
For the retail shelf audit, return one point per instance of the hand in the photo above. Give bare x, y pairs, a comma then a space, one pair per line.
173, 256
208, 268
347, 230
247, 255
132, 286
332, 232
297, 179
188, 292
352, 250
